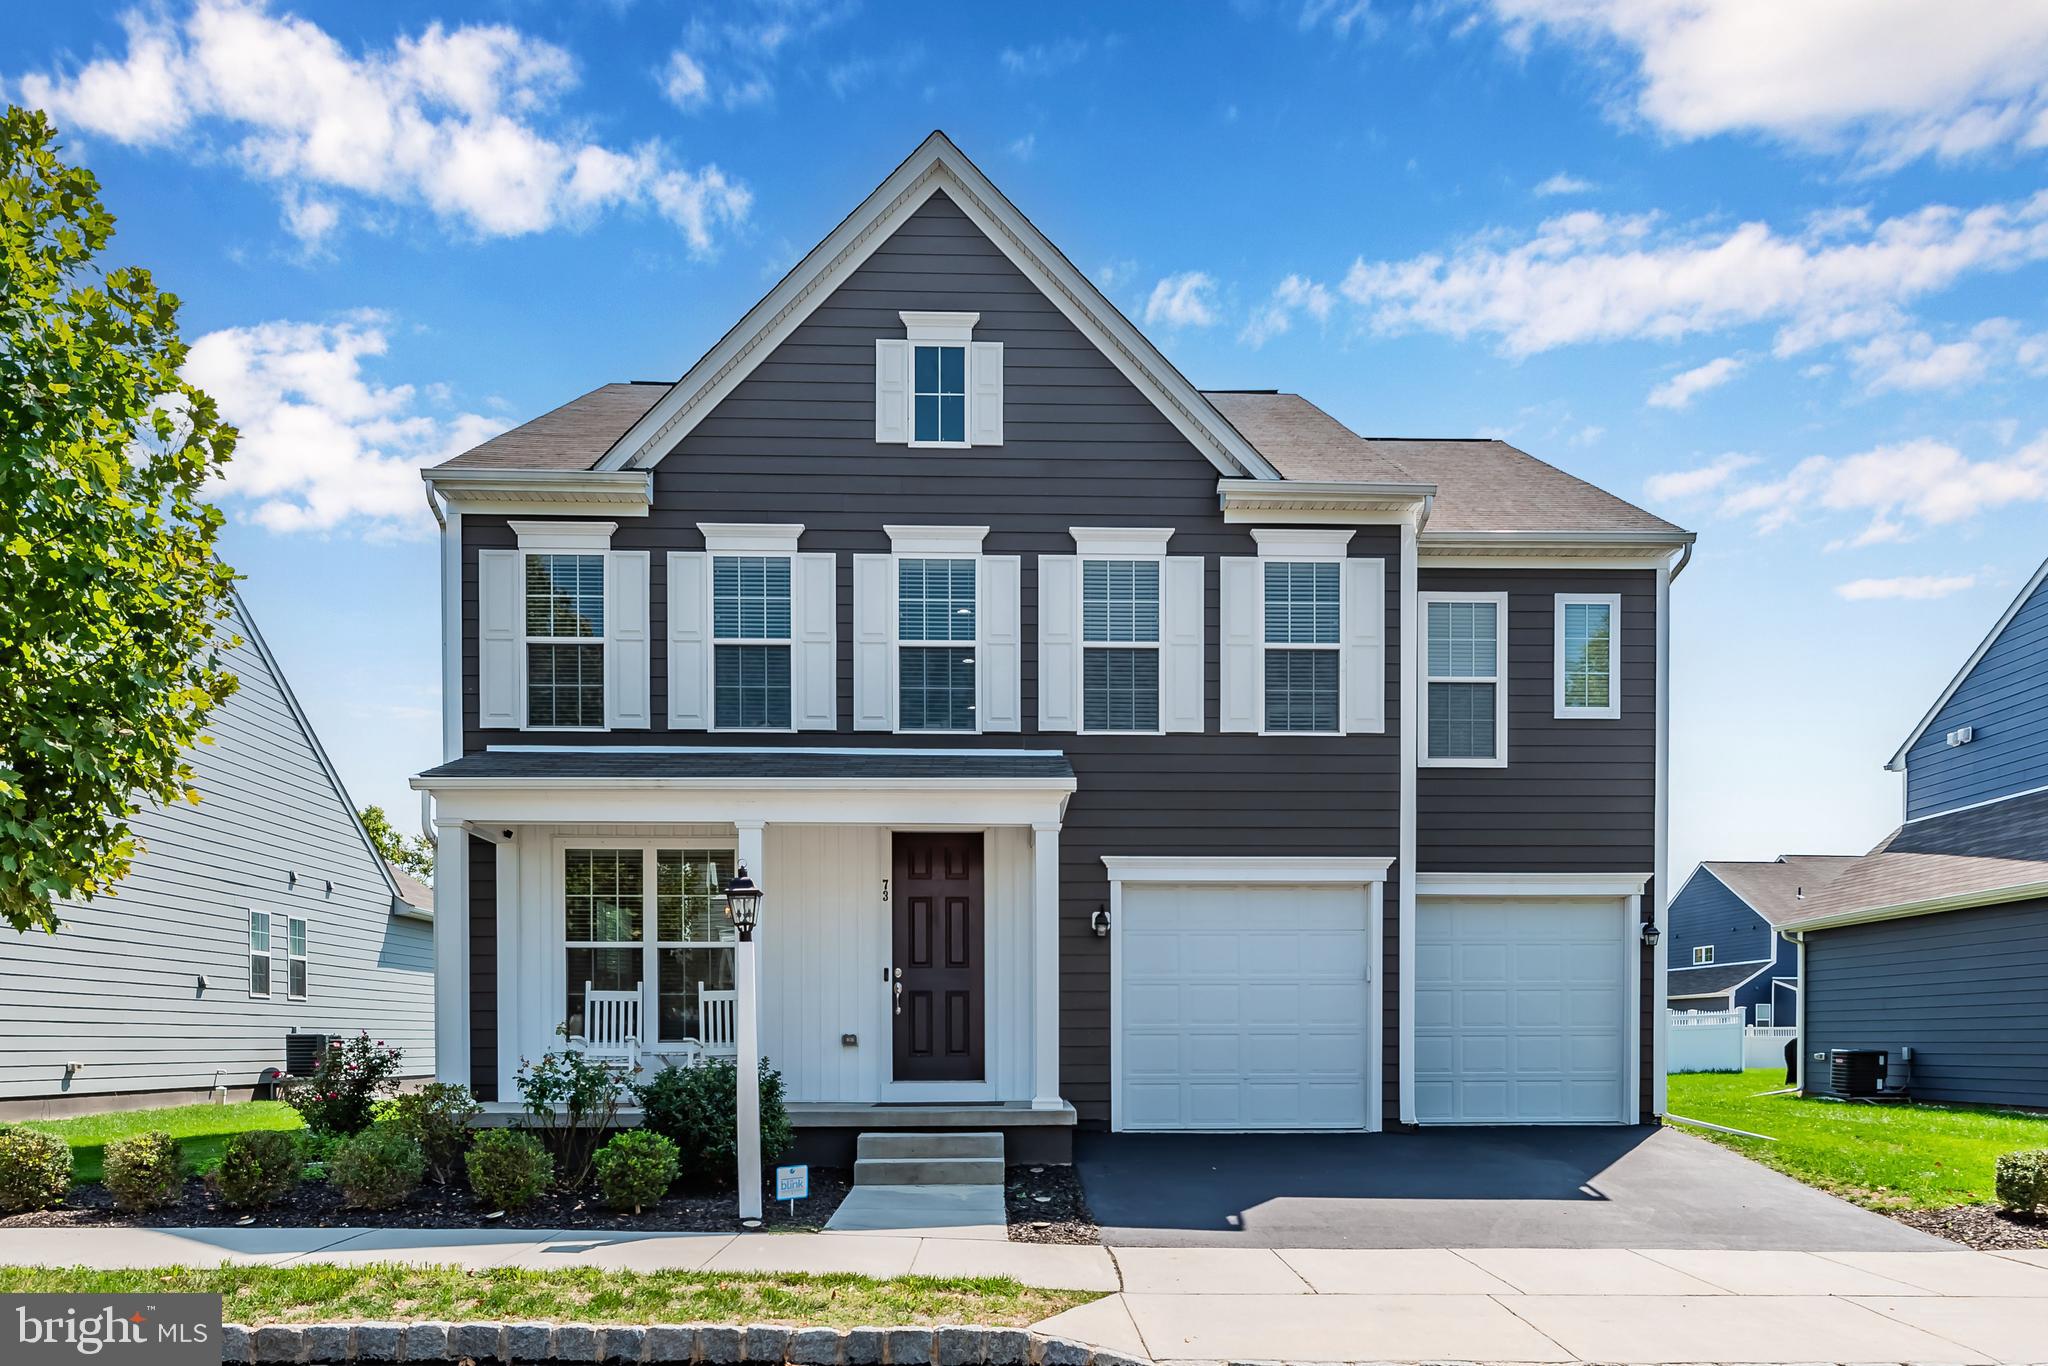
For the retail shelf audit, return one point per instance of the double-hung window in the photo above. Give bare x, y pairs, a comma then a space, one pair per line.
936, 634
651, 921
938, 394
1465, 689
295, 958
1587, 649
750, 631
259, 954
1120, 645
1303, 644
564, 640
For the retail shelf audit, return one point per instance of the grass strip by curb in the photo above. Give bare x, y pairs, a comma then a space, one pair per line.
397, 1293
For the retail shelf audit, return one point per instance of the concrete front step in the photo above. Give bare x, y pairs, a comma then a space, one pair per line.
928, 1171
903, 1144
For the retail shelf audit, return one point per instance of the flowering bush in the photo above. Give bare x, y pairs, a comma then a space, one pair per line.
572, 1101
342, 1093
437, 1117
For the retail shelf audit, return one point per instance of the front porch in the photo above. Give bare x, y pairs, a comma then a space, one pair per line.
908, 961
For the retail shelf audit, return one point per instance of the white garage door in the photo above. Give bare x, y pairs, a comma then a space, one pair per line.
1521, 1011
1243, 1007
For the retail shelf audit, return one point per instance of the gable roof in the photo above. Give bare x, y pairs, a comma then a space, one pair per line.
1897, 762
936, 165
1976, 857
1711, 980
571, 437
1773, 889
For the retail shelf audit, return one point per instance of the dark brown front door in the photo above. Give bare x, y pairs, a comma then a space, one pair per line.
940, 988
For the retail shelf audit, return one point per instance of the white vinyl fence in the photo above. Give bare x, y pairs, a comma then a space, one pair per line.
1706, 1041
1764, 1045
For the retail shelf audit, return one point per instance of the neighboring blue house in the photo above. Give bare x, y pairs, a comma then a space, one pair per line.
1937, 940
1726, 951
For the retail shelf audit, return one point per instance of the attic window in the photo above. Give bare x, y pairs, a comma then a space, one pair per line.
938, 395
936, 385
1703, 955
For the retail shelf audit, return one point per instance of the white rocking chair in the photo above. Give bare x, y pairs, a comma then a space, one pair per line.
718, 1016
611, 1026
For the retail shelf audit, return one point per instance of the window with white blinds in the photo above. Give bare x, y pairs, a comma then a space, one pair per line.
1304, 602
1120, 645
1464, 694
936, 631
750, 630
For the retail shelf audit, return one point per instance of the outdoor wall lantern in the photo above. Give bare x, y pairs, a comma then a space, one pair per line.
1652, 936
743, 904
743, 909
1099, 922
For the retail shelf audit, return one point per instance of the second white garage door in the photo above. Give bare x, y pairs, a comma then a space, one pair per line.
1521, 1011
1243, 1007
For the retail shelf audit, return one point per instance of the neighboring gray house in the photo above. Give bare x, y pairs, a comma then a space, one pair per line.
1937, 940
1112, 752
1726, 949
262, 910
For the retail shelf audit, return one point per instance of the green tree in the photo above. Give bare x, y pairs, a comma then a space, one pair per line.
414, 853
112, 600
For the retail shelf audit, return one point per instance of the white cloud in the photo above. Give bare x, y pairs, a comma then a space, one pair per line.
1564, 183
309, 219
1295, 294
1913, 361
1701, 479
1918, 483
1588, 276
1043, 59
1912, 587
683, 82
1184, 300
1889, 80
1023, 148
323, 445
458, 120
1342, 15
1681, 389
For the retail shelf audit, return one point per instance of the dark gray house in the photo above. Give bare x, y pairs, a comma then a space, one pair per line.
1112, 752
1937, 940
261, 911
1727, 952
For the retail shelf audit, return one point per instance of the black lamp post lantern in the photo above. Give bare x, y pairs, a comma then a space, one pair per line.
743, 904
1652, 936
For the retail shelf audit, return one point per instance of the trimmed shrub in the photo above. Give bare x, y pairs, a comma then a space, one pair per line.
508, 1169
257, 1169
35, 1170
437, 1117
341, 1095
144, 1172
2022, 1182
377, 1168
697, 1109
571, 1099
636, 1169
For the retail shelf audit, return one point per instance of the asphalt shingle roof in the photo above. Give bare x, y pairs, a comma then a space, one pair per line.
572, 437
1979, 853
702, 762
1712, 979
1773, 889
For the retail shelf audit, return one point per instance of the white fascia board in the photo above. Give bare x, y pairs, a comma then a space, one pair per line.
1302, 543
1897, 763
1969, 901
1256, 501
543, 493
777, 538
1530, 884
1138, 542
1279, 869
935, 540
936, 164
902, 803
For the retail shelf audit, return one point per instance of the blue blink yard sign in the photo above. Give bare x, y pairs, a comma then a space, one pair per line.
792, 1184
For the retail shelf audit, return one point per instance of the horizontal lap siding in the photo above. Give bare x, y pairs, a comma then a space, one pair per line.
795, 442
1705, 912
117, 987
2005, 698
1577, 796
1966, 990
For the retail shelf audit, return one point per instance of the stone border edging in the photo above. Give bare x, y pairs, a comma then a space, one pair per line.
344, 1344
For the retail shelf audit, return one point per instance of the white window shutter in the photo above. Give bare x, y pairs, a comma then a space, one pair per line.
874, 642
1059, 642
999, 658
1241, 700
814, 668
627, 661
1363, 708
1181, 691
689, 640
985, 393
498, 688
892, 391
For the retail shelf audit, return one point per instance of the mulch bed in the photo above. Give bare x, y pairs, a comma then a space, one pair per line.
315, 1204
1047, 1205
1980, 1226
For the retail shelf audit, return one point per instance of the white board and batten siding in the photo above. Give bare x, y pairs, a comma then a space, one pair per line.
117, 987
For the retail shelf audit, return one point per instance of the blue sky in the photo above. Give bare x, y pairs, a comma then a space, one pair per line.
1776, 272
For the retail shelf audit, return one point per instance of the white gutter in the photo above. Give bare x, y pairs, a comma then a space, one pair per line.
2025, 891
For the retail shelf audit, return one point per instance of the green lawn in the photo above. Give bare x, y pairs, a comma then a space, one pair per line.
316, 1294
1883, 1156
201, 1130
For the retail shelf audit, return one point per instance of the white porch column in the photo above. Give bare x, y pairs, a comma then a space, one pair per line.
746, 966
1045, 967
451, 952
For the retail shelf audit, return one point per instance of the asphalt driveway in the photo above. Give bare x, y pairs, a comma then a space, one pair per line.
1640, 1187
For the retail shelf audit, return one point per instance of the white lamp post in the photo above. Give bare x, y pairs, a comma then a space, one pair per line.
743, 908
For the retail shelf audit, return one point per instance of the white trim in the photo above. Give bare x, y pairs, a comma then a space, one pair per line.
268, 956
1120, 542
935, 542
1799, 1017
290, 958
936, 165
1243, 868
921, 326
751, 538
451, 949
1298, 501
569, 544
1660, 865
1524, 885
1477, 542
1972, 806
573, 537
1562, 710
1456, 560
1708, 960
900, 752
1045, 967
1897, 762
901, 802
1965, 901
451, 636
1302, 543
1404, 942
484, 491
1423, 758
